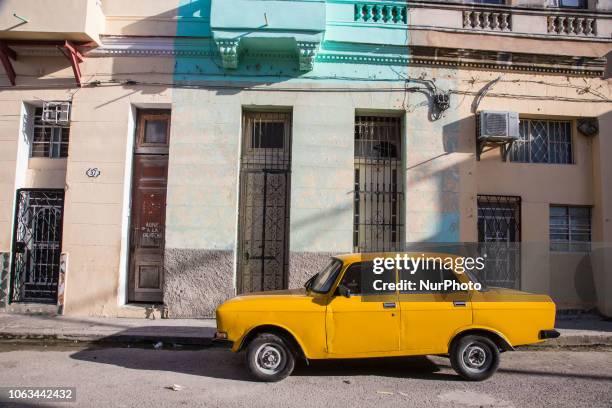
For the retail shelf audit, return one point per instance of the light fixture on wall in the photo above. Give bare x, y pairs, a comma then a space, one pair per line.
588, 126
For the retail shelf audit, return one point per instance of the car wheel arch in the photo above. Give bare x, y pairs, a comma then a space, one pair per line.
283, 332
496, 337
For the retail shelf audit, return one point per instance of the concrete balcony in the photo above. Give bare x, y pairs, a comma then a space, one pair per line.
517, 22
270, 26
495, 28
80, 21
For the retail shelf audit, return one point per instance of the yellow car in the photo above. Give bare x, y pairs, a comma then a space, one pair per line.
331, 318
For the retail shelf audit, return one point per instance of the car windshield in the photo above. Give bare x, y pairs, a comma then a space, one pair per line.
326, 277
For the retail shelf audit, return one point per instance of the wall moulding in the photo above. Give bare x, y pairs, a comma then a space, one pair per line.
309, 53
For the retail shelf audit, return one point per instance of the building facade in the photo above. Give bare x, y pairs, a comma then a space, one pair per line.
164, 156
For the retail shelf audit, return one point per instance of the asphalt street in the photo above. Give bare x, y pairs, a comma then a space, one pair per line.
215, 377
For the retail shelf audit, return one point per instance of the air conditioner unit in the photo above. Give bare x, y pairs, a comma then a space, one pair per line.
57, 113
498, 127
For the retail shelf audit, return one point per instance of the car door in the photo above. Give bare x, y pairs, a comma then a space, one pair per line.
356, 325
429, 318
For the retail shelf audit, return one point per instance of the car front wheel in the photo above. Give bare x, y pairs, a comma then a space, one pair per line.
269, 358
474, 358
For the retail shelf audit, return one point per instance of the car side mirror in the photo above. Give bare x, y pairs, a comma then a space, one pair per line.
344, 291
310, 281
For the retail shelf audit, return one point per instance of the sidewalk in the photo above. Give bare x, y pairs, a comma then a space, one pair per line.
20, 327
580, 330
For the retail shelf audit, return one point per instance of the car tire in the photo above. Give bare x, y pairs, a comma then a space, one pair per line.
270, 358
475, 358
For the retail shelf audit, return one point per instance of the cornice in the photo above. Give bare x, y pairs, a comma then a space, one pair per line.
344, 53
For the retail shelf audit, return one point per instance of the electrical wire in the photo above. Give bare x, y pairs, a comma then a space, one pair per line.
258, 88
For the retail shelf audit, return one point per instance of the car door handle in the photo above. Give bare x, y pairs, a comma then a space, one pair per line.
389, 305
459, 304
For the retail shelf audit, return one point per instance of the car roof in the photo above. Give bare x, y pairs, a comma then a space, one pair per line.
368, 256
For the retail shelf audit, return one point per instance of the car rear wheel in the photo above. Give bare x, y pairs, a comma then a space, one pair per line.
474, 358
269, 358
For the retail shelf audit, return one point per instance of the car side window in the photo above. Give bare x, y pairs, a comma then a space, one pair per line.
352, 278
427, 280
359, 278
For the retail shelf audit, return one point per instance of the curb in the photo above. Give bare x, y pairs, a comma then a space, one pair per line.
578, 341
113, 339
568, 341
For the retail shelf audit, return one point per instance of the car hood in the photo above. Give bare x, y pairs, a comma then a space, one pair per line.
283, 292
276, 300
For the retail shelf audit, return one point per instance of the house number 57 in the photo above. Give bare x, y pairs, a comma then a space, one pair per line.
93, 172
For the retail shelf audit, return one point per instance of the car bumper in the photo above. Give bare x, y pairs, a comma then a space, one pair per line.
548, 334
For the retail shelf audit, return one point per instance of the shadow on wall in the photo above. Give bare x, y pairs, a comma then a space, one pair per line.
196, 56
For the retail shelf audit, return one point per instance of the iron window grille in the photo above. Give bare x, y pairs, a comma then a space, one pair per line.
570, 228
379, 186
499, 232
543, 141
37, 245
49, 140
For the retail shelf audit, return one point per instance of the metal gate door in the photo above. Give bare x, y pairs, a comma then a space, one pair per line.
264, 202
499, 223
37, 245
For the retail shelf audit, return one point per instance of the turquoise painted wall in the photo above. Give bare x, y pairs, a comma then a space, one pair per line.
354, 47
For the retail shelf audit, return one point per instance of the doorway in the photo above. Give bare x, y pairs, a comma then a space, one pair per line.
148, 212
37, 245
265, 178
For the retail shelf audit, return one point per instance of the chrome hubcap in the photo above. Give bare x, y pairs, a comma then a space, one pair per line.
475, 357
270, 358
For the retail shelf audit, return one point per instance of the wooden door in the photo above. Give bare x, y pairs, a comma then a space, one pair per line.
148, 215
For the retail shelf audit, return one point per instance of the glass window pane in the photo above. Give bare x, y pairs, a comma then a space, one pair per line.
268, 135
558, 211
571, 225
572, 3
156, 131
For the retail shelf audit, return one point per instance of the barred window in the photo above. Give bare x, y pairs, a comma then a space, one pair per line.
543, 141
379, 186
570, 228
49, 140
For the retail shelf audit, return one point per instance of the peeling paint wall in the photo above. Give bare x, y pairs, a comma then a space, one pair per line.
197, 281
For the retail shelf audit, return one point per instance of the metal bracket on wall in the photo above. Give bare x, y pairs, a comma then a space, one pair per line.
75, 58
485, 146
67, 48
6, 55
